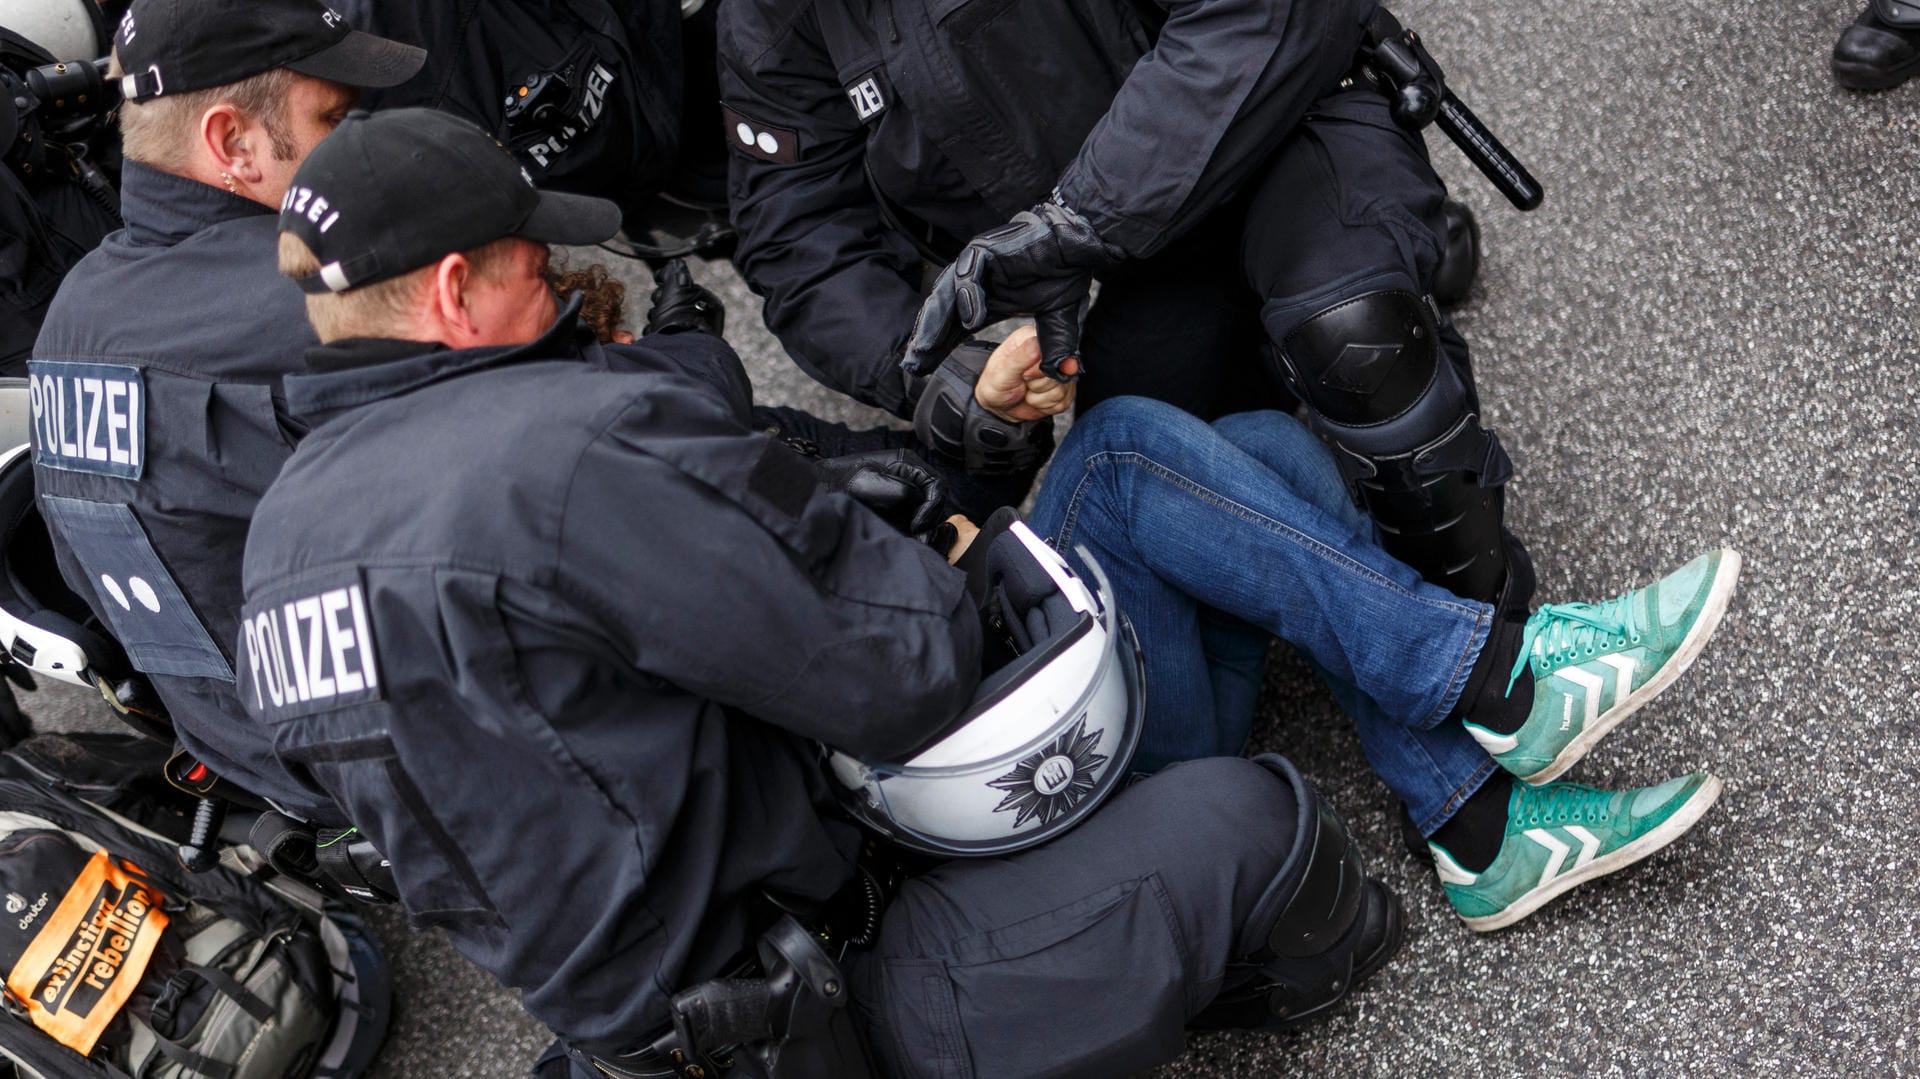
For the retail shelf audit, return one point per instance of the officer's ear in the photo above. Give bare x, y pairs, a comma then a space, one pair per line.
451, 301
229, 145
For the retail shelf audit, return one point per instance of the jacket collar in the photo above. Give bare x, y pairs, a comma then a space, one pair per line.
317, 398
161, 208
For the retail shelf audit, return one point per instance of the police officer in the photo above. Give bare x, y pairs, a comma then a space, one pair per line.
1217, 164
557, 629
155, 378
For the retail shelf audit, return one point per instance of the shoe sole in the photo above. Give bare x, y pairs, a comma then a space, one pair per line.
1868, 79
1695, 642
1672, 828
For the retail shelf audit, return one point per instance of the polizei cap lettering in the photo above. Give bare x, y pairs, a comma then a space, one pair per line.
388, 193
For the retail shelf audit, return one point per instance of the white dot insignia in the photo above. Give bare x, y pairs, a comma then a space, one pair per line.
767, 143
114, 590
746, 134
144, 592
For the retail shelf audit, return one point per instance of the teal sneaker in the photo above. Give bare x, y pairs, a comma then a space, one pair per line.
1594, 666
1563, 835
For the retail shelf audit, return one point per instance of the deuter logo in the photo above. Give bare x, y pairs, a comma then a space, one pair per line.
33, 910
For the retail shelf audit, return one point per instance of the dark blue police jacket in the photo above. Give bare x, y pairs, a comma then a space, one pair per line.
555, 628
155, 432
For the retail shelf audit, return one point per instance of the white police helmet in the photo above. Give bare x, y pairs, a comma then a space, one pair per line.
63, 29
1048, 736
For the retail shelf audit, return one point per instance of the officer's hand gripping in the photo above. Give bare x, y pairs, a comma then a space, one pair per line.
1040, 263
952, 417
891, 483
682, 305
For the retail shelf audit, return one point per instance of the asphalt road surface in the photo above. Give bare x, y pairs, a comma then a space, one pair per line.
1707, 335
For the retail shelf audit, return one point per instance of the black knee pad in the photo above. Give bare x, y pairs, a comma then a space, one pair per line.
1404, 421
1322, 926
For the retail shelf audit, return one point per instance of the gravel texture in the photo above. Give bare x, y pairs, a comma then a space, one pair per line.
1706, 336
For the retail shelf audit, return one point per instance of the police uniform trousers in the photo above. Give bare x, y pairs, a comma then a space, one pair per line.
1084, 957
1347, 204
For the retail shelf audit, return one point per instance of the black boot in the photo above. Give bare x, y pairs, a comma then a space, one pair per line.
1872, 55
1459, 257
1332, 927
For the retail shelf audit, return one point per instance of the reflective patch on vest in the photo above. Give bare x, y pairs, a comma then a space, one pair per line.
312, 653
89, 417
145, 608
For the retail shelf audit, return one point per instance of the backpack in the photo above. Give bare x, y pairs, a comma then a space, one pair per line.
118, 964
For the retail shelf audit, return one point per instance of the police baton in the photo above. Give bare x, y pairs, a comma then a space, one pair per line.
1395, 60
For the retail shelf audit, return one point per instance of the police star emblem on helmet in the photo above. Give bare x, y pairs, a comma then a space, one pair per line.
1049, 783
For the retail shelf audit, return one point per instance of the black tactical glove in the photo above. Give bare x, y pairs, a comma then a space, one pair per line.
681, 305
1040, 263
953, 423
892, 483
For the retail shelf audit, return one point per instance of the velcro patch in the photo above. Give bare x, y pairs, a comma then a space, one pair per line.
149, 614
756, 139
89, 417
89, 955
311, 653
783, 479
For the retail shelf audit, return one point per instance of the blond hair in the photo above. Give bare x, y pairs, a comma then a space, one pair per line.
382, 308
161, 132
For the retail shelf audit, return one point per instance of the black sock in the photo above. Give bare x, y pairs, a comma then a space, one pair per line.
1474, 833
1486, 700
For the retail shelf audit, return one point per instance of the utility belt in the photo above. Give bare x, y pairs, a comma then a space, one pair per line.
790, 1022
336, 860
779, 1010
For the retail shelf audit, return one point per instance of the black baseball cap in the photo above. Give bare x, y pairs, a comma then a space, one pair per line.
391, 192
173, 46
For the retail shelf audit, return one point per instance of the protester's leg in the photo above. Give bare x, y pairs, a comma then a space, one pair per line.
1159, 496
1452, 765
1204, 667
1087, 956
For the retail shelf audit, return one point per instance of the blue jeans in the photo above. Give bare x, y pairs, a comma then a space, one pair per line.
1216, 536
